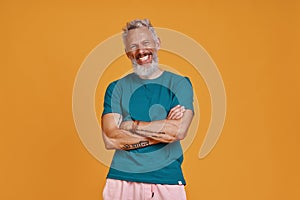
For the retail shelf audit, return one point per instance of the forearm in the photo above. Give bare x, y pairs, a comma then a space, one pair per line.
167, 130
157, 128
137, 134
126, 140
117, 138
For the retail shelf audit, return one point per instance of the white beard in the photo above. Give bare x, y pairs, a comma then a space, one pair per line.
146, 71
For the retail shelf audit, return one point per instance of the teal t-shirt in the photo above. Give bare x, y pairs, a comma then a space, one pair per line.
148, 100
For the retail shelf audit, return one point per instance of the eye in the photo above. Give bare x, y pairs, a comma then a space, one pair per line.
146, 43
132, 46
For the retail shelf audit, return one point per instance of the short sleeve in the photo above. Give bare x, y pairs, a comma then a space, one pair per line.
183, 91
112, 99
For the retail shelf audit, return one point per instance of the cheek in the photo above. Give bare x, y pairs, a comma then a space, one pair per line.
130, 54
133, 54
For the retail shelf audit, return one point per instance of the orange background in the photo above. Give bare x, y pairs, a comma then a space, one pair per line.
255, 45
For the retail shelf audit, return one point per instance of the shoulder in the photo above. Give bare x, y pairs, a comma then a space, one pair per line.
177, 78
126, 78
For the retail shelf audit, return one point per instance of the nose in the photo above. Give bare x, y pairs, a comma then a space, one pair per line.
140, 51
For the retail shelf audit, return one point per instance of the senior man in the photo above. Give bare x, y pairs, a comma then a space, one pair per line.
145, 115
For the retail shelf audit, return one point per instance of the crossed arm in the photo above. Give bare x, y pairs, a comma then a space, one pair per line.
136, 134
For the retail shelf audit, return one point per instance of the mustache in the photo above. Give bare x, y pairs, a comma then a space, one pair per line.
136, 54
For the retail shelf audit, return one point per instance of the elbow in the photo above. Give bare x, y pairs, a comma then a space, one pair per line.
109, 147
108, 140
112, 144
109, 143
181, 134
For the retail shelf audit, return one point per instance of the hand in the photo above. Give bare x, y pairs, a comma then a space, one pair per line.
176, 112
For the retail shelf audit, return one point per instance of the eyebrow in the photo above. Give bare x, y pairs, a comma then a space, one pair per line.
132, 45
135, 44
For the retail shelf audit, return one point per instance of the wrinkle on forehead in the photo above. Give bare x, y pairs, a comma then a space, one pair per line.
138, 35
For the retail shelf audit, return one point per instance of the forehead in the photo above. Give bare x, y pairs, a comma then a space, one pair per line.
138, 34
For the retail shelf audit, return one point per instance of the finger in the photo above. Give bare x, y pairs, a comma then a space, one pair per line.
182, 109
177, 114
178, 107
173, 109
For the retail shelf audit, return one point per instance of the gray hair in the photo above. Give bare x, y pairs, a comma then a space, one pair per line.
137, 23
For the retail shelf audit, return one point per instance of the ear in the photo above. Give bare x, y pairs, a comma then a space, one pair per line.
158, 44
126, 53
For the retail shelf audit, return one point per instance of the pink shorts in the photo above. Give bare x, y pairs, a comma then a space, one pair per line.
124, 190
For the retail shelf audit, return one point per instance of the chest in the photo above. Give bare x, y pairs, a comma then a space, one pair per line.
147, 102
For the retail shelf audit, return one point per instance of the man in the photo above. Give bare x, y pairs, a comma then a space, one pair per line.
146, 114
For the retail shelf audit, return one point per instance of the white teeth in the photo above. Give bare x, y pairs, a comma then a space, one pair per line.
144, 58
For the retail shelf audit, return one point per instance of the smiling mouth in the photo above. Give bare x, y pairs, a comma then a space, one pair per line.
144, 58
